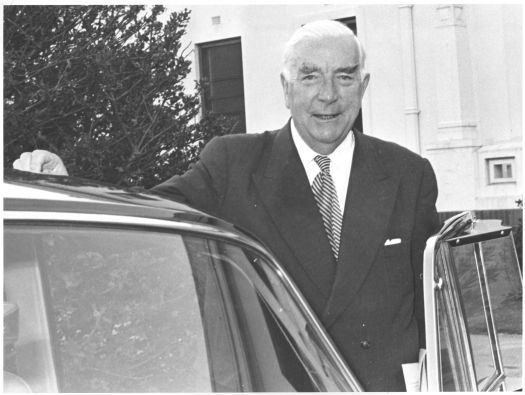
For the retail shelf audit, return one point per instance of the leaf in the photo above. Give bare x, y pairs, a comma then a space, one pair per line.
101, 87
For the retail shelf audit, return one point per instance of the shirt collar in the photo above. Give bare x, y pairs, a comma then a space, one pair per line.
307, 155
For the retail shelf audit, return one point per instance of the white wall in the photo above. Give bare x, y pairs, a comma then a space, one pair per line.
482, 96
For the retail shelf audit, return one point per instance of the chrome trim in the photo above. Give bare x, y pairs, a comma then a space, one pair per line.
451, 228
480, 230
129, 221
465, 372
478, 238
498, 375
431, 323
351, 383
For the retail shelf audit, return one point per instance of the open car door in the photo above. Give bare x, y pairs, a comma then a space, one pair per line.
473, 305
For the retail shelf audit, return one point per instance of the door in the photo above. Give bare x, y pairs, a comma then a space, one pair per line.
473, 302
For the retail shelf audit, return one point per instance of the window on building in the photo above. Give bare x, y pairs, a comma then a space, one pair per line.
501, 170
221, 78
352, 24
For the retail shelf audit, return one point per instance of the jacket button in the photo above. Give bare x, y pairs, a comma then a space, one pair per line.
365, 344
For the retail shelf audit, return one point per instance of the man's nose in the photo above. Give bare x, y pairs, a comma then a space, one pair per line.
327, 91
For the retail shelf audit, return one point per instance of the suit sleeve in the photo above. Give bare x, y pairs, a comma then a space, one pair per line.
203, 185
426, 224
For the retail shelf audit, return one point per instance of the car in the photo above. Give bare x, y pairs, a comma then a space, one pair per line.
111, 290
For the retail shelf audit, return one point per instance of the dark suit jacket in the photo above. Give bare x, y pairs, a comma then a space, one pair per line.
371, 302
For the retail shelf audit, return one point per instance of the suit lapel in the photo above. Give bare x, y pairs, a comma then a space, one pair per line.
284, 189
369, 204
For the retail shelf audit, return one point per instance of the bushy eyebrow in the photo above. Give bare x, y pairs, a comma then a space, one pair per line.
307, 69
347, 70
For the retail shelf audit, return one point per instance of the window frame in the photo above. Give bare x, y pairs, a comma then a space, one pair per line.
503, 161
441, 291
204, 71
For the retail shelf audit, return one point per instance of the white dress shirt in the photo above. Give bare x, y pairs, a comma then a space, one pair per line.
340, 162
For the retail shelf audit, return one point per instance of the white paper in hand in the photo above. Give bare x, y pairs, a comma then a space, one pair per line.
415, 374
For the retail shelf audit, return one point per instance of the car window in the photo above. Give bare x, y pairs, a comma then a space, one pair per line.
122, 309
264, 358
491, 291
280, 347
480, 315
126, 310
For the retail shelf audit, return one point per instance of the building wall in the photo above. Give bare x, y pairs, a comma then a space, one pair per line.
445, 82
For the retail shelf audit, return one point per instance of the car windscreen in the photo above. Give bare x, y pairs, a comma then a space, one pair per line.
111, 309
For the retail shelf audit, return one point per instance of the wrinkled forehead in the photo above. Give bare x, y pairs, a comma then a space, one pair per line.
326, 52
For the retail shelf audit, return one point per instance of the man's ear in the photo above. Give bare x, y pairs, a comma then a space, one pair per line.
364, 84
286, 87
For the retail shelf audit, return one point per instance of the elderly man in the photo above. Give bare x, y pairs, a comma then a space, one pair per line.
346, 214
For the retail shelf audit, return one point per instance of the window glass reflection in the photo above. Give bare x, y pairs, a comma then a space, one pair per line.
472, 300
120, 324
118, 310
265, 358
499, 270
505, 285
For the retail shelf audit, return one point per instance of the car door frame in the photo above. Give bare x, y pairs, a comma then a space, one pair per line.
440, 281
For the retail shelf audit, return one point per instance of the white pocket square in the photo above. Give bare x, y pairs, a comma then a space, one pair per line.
390, 242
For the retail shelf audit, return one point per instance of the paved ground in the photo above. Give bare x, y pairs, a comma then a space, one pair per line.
511, 354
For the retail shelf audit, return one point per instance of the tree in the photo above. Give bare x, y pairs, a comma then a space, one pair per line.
102, 86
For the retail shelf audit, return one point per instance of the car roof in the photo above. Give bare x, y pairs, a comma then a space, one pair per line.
25, 191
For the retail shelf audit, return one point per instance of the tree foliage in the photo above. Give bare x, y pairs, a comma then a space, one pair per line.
102, 86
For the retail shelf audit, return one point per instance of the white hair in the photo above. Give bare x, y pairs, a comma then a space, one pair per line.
317, 30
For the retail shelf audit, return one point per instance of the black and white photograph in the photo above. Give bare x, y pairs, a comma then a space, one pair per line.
261, 197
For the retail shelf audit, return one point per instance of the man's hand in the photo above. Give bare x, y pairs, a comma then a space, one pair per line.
40, 161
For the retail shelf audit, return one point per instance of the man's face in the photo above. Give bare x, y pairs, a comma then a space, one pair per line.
324, 90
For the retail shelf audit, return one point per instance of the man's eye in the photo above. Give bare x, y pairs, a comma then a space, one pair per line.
309, 77
346, 77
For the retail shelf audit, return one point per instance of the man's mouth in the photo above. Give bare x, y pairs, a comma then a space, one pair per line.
325, 117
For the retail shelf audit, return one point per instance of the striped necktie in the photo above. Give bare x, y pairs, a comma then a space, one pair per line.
324, 191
